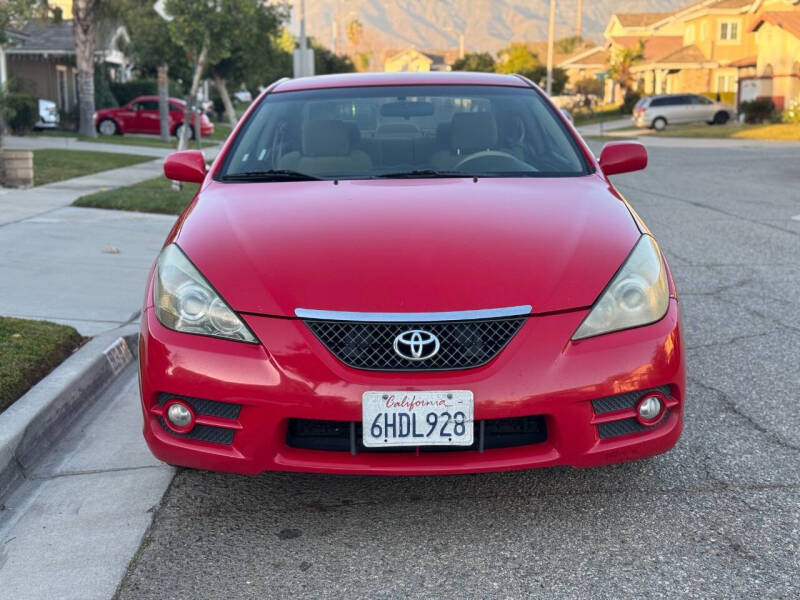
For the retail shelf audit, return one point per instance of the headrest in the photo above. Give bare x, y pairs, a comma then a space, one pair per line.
325, 138
443, 134
472, 132
353, 132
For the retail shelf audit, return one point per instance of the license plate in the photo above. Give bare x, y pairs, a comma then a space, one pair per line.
417, 418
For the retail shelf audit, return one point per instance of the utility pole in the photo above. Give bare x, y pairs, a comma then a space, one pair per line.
303, 55
550, 36
579, 19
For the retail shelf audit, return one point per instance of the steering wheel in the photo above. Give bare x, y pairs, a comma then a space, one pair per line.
487, 154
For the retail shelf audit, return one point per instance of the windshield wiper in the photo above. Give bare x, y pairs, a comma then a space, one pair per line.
416, 173
271, 175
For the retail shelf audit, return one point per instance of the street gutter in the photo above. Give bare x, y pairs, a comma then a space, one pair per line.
35, 422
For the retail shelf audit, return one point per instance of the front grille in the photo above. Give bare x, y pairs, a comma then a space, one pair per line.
346, 436
370, 346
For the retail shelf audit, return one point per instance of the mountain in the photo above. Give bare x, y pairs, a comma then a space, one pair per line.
488, 25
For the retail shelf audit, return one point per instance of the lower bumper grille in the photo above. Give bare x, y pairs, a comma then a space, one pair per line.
204, 408
625, 402
346, 436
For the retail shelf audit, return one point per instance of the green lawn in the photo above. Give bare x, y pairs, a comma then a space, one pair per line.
54, 164
604, 113
29, 350
153, 196
785, 132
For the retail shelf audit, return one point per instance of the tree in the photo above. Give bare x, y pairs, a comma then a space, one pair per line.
11, 13
83, 30
355, 31
326, 61
204, 31
624, 59
151, 44
539, 75
517, 58
568, 45
253, 52
474, 61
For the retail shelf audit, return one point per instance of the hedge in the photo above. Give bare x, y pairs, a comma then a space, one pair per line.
23, 112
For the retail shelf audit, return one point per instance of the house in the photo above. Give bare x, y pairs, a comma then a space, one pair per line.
586, 64
654, 48
776, 71
40, 58
711, 46
415, 60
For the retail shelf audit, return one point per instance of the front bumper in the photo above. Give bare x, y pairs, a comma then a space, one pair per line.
540, 373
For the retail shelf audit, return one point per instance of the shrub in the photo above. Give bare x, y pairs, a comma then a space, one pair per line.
792, 113
758, 110
22, 112
103, 98
127, 91
630, 100
589, 86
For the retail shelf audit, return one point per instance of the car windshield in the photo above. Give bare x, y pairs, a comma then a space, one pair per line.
403, 131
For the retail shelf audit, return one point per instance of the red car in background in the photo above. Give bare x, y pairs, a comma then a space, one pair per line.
140, 115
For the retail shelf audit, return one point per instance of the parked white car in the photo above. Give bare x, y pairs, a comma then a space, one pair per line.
656, 112
48, 115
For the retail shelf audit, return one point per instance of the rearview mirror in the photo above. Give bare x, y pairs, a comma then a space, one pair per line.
407, 109
622, 157
188, 166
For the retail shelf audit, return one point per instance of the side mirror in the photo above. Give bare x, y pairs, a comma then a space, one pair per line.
622, 157
188, 166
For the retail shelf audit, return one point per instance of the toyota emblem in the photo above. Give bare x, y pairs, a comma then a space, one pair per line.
416, 344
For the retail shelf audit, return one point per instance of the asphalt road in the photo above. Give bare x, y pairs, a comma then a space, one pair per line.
719, 516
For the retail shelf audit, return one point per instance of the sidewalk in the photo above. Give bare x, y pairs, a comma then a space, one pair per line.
83, 267
72, 143
604, 127
70, 530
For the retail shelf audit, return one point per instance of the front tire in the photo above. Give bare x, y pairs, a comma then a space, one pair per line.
108, 127
659, 124
721, 118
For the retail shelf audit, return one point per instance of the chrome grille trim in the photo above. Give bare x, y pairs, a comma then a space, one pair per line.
425, 317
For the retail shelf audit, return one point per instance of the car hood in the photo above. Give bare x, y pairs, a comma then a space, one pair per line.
419, 245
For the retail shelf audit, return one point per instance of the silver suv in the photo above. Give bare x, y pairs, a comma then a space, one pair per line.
657, 111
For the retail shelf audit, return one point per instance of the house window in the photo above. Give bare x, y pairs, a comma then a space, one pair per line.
729, 31
689, 38
703, 31
725, 83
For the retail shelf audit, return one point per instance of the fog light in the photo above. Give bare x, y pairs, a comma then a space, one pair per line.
650, 409
180, 416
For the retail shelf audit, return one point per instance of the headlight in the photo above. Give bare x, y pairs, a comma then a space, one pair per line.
185, 301
638, 294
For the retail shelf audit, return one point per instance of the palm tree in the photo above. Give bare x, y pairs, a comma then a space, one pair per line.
83, 27
354, 30
624, 60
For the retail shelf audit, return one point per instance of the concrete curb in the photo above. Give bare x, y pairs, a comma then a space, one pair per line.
30, 426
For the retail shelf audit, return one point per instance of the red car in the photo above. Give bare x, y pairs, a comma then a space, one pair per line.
140, 115
409, 274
